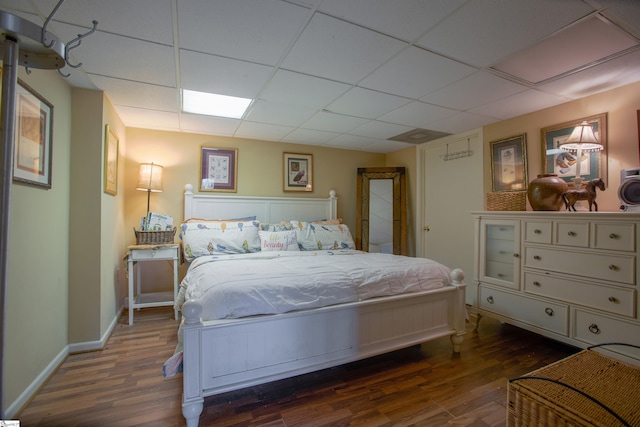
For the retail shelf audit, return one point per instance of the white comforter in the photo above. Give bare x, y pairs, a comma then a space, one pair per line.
232, 286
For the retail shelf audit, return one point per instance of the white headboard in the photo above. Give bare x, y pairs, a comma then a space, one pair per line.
266, 209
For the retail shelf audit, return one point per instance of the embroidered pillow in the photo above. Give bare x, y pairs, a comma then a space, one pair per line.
278, 241
227, 237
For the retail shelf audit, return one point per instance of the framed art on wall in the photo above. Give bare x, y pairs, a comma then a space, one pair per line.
509, 163
218, 169
298, 172
32, 156
563, 163
110, 161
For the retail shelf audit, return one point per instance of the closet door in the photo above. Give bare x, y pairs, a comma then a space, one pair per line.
448, 190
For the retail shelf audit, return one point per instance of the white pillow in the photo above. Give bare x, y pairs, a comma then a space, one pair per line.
227, 237
312, 237
278, 241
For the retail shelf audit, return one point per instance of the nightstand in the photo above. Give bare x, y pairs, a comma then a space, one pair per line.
140, 253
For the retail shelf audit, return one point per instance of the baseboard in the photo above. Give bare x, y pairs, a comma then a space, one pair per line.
26, 396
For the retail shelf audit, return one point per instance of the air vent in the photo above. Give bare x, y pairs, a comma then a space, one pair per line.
418, 136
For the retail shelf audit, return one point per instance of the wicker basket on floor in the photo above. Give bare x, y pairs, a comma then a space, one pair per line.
154, 237
506, 201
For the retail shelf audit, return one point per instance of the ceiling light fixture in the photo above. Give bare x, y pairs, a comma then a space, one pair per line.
212, 104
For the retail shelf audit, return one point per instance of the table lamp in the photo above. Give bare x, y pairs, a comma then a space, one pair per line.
149, 180
581, 140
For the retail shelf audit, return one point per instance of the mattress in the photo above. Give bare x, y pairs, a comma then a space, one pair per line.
240, 285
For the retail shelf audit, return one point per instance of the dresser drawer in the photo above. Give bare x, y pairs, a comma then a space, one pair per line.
618, 237
548, 315
593, 328
613, 299
159, 253
613, 267
537, 232
572, 234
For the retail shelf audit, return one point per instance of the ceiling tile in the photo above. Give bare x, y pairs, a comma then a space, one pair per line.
352, 142
278, 114
310, 136
337, 50
380, 130
366, 103
462, 122
253, 30
507, 26
518, 104
140, 95
415, 73
404, 19
299, 89
264, 131
387, 146
477, 89
199, 123
333, 122
417, 115
148, 119
224, 76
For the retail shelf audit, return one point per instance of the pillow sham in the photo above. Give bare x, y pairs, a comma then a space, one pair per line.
276, 227
278, 241
227, 237
312, 237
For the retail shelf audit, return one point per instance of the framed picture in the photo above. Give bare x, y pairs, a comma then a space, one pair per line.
509, 163
33, 138
563, 163
298, 172
218, 169
110, 161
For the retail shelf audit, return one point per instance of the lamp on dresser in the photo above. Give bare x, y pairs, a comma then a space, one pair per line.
149, 180
582, 140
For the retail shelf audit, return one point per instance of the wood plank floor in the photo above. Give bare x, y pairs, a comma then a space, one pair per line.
122, 385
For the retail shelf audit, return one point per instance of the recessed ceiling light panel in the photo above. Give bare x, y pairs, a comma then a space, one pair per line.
212, 104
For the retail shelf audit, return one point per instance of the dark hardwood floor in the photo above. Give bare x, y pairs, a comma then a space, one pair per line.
428, 385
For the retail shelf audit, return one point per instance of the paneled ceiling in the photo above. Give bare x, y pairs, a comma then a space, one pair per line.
347, 74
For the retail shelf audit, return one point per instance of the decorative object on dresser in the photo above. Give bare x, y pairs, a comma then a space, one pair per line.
629, 190
509, 163
572, 278
588, 193
565, 162
545, 192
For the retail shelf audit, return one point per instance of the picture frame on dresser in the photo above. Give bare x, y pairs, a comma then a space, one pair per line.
562, 163
32, 157
509, 163
218, 169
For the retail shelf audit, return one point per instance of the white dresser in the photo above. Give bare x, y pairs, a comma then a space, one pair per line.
571, 276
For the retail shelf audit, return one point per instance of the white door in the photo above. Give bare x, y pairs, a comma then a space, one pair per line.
451, 181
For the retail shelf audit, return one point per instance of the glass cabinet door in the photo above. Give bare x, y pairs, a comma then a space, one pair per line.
499, 256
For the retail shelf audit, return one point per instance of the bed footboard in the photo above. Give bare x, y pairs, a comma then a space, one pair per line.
225, 355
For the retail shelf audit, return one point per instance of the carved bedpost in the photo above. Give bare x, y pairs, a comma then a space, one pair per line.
459, 310
188, 196
192, 393
334, 204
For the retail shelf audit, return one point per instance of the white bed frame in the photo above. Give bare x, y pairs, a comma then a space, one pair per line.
225, 355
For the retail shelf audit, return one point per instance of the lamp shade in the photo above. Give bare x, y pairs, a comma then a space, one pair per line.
150, 178
582, 138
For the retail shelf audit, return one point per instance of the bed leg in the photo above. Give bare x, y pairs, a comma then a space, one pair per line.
191, 412
457, 340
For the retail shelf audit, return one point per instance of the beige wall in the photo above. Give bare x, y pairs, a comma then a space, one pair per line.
621, 105
36, 315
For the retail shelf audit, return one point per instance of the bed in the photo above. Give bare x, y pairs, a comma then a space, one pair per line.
226, 349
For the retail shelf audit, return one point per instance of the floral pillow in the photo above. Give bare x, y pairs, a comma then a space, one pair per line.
227, 237
278, 241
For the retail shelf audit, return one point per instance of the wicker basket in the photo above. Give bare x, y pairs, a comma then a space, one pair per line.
506, 201
154, 237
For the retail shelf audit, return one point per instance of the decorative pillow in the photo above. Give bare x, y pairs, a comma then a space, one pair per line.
328, 221
209, 237
313, 237
276, 227
278, 241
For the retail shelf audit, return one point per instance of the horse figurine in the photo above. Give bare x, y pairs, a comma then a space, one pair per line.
589, 193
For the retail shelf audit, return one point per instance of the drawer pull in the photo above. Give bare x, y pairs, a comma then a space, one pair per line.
490, 299
536, 231
502, 252
613, 267
614, 236
571, 233
536, 283
549, 311
516, 255
613, 299
500, 275
593, 328
536, 257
